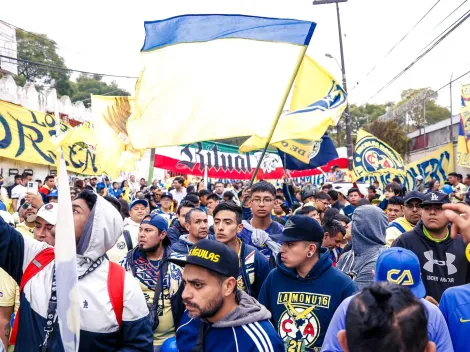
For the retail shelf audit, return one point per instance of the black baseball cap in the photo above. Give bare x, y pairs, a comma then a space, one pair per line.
413, 195
301, 228
435, 198
212, 255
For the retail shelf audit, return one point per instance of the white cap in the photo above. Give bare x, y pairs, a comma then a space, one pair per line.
419, 177
7, 217
48, 212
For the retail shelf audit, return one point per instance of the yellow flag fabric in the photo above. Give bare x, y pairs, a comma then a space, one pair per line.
110, 116
26, 135
375, 157
463, 147
318, 102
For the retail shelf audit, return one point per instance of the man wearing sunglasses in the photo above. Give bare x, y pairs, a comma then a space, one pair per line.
26, 210
442, 258
411, 216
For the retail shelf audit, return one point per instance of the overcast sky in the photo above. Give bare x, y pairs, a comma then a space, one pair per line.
106, 37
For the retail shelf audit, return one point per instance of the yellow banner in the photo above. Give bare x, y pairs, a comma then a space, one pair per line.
435, 165
25, 135
375, 157
463, 147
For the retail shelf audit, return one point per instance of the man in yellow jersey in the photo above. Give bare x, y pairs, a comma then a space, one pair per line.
411, 216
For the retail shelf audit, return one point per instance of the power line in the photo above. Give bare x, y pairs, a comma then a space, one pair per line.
64, 69
450, 14
429, 47
402, 39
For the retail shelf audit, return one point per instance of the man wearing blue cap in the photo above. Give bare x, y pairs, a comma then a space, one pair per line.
138, 209
411, 216
159, 279
400, 266
442, 258
305, 289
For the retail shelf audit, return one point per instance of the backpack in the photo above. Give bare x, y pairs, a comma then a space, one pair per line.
116, 275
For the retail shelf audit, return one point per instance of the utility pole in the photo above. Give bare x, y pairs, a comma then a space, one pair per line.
451, 132
347, 116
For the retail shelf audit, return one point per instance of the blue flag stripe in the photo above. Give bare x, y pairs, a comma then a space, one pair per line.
202, 28
326, 153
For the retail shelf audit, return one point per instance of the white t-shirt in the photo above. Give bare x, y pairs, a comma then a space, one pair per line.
178, 196
18, 192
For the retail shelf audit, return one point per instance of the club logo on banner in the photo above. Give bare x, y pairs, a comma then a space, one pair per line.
372, 156
25, 135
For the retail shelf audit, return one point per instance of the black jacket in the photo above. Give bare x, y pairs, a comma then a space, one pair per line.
175, 231
443, 264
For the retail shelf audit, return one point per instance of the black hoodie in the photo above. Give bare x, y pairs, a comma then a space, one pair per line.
443, 264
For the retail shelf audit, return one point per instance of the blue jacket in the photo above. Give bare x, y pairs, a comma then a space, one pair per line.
99, 327
116, 193
175, 231
437, 328
247, 328
455, 306
303, 307
254, 268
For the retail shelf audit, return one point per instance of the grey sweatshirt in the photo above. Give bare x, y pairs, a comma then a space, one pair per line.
368, 238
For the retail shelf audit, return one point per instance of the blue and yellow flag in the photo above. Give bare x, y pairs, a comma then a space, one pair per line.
208, 77
318, 102
375, 157
463, 147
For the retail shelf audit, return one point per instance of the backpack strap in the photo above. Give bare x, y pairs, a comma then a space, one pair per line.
116, 276
39, 262
128, 239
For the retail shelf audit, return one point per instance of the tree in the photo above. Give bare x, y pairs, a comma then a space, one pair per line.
38, 48
86, 85
391, 133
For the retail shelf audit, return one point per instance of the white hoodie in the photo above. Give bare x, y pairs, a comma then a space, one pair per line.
119, 250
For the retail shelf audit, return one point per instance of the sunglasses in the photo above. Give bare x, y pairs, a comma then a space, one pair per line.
26, 205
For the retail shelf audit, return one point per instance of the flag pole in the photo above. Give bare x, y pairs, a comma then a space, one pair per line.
279, 112
151, 166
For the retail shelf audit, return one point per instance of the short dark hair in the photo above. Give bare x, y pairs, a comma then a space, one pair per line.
89, 197
363, 201
372, 188
354, 189
115, 183
460, 176
203, 192
114, 202
393, 187
344, 218
185, 204
18, 176
333, 195
25, 175
263, 186
179, 179
215, 184
386, 317
213, 196
333, 227
230, 206
306, 210
192, 197
395, 201
189, 214
328, 186
228, 194
48, 177
124, 208
453, 174
322, 196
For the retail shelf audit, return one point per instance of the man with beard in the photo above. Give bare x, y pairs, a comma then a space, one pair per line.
219, 190
412, 215
198, 229
304, 290
25, 211
254, 267
220, 317
92, 185
157, 277
102, 327
442, 258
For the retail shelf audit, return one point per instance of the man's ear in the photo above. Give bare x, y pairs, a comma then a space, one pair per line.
239, 228
343, 340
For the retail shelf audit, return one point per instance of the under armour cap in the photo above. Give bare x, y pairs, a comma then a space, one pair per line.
435, 198
300, 228
47, 212
139, 201
413, 195
212, 255
400, 266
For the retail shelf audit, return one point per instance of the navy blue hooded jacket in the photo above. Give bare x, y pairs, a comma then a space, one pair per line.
175, 231
302, 308
183, 246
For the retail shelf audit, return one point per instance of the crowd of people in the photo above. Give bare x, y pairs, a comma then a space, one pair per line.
237, 267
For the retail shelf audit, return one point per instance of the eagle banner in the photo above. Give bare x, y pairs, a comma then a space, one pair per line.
26, 135
375, 157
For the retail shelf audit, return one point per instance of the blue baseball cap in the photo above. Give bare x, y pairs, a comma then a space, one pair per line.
139, 201
159, 222
54, 193
400, 266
